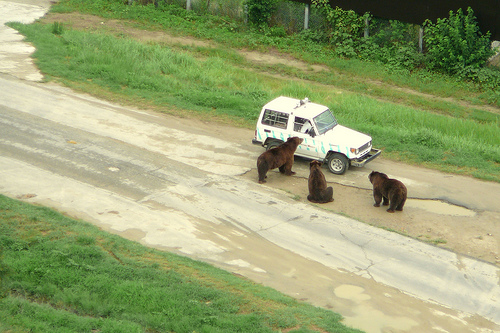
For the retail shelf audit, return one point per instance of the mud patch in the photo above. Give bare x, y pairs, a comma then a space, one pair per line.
366, 317
133, 234
439, 207
26, 196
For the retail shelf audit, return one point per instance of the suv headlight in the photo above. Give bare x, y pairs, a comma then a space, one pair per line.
355, 151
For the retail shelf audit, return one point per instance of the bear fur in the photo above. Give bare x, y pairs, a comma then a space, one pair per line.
279, 157
392, 191
318, 191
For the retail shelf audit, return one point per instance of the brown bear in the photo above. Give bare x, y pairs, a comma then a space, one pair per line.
392, 191
318, 191
279, 157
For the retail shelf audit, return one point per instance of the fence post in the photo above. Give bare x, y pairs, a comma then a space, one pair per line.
421, 39
306, 16
367, 27
188, 4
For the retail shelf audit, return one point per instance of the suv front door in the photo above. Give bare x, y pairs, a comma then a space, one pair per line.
303, 128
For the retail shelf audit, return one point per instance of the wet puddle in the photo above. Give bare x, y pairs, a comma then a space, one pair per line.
439, 207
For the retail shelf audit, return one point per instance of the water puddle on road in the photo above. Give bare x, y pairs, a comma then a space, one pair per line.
439, 207
367, 318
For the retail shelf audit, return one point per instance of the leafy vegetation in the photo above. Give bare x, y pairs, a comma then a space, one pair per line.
453, 45
456, 46
456, 42
259, 11
344, 27
416, 126
62, 275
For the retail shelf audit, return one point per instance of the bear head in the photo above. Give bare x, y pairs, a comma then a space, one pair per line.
374, 175
315, 164
294, 141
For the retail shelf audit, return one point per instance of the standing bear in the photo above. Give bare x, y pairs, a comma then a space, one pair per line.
318, 191
279, 157
391, 190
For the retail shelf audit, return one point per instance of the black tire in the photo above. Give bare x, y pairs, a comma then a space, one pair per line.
338, 163
273, 144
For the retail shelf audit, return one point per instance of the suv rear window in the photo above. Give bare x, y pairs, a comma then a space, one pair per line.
275, 118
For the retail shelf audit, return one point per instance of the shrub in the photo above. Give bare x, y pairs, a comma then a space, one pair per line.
260, 11
455, 43
345, 27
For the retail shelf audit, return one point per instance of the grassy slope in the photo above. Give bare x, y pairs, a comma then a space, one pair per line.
62, 275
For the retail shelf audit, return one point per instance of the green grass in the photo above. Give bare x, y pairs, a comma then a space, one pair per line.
62, 275
216, 81
232, 34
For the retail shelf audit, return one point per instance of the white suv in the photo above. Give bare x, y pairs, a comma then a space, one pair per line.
324, 139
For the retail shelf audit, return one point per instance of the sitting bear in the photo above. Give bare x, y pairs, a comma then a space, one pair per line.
391, 190
318, 191
279, 157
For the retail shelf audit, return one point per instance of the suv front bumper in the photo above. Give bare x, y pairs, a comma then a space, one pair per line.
257, 142
359, 162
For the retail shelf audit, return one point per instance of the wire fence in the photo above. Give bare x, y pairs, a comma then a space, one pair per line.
289, 15
293, 17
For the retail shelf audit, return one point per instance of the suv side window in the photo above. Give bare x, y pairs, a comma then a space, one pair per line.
303, 125
275, 118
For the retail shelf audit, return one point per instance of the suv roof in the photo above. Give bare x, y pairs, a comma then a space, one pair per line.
285, 104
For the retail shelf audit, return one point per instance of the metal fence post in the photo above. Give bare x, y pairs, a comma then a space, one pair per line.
367, 27
188, 4
306, 16
421, 39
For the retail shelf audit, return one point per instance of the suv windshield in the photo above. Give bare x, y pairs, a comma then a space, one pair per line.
325, 121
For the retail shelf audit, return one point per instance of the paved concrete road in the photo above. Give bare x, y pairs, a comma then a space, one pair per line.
174, 184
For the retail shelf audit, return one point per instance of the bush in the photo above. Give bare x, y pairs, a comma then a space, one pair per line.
260, 11
488, 77
343, 26
455, 43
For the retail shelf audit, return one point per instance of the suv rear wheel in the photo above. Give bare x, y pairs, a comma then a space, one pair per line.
338, 163
273, 144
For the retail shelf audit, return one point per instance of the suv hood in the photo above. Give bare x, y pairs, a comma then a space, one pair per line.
344, 136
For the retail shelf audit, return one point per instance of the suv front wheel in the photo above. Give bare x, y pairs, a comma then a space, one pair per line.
338, 163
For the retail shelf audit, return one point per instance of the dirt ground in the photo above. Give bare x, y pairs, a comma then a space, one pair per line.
461, 230
464, 231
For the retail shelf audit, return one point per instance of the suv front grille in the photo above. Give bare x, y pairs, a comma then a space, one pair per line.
365, 146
